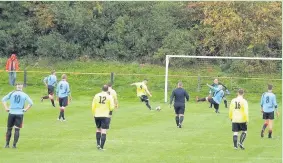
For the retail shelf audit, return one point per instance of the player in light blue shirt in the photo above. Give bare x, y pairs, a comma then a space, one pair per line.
218, 94
268, 106
50, 83
16, 110
63, 92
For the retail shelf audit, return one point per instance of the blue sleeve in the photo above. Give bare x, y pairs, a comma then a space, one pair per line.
261, 102
274, 102
29, 100
57, 89
68, 89
7, 97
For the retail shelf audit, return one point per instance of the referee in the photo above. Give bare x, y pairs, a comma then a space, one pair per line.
179, 95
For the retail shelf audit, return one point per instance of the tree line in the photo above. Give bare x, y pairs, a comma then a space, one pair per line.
141, 31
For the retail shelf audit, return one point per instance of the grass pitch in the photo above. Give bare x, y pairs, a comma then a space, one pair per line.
138, 135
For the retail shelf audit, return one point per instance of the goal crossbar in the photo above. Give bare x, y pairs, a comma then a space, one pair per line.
205, 57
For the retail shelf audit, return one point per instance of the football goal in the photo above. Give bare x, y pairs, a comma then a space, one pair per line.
229, 68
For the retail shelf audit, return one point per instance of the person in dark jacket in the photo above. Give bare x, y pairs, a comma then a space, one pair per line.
179, 95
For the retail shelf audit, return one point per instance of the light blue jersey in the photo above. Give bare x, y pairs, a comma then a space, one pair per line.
217, 95
50, 80
17, 101
268, 102
63, 89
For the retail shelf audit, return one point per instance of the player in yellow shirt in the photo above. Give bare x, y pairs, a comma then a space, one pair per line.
142, 92
113, 93
102, 104
239, 116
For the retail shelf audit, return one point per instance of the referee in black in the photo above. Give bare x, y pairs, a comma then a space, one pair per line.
179, 95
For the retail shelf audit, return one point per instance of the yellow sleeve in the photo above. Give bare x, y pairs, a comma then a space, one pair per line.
246, 111
93, 108
231, 110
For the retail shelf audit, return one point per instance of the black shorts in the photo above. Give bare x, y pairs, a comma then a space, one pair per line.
179, 109
236, 127
215, 105
101, 122
143, 98
50, 89
15, 120
269, 115
63, 102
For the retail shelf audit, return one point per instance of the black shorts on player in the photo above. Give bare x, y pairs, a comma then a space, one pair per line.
101, 122
269, 115
15, 120
216, 106
236, 127
179, 109
144, 98
50, 89
63, 102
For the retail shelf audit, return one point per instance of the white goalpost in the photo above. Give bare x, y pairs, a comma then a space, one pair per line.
205, 57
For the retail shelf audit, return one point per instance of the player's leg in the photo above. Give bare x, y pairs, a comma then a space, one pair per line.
18, 126
147, 102
216, 106
181, 114
243, 135
51, 94
10, 124
202, 99
235, 129
60, 106
103, 132
225, 102
177, 115
264, 116
98, 131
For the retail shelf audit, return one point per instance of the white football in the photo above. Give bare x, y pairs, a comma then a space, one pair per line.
158, 108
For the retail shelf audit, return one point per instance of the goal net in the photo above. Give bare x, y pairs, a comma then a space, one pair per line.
250, 73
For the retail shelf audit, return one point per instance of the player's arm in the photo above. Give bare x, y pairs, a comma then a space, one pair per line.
231, 110
261, 103
222, 85
172, 97
69, 92
111, 103
30, 103
187, 95
147, 91
4, 101
211, 87
115, 100
57, 92
133, 84
275, 105
246, 111
93, 106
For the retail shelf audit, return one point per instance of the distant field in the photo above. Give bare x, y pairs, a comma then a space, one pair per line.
138, 135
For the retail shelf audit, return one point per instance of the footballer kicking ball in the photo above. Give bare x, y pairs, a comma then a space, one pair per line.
158, 108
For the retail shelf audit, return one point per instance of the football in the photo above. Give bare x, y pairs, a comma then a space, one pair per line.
158, 108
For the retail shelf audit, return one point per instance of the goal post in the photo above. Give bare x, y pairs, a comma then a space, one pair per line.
205, 57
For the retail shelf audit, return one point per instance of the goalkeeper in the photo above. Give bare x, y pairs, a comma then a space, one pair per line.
215, 85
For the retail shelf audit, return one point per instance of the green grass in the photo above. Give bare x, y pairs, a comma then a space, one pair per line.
138, 135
